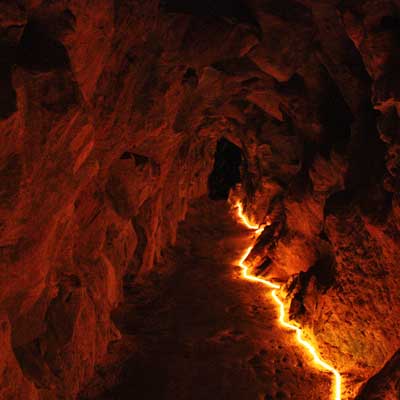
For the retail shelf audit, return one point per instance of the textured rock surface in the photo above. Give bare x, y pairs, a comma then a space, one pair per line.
201, 331
110, 112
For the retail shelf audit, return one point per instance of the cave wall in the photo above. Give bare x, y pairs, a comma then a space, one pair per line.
97, 167
334, 224
110, 112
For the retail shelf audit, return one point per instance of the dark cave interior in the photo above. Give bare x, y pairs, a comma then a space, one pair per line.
165, 164
226, 171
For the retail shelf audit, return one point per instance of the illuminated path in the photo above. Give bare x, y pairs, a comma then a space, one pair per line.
336, 393
196, 330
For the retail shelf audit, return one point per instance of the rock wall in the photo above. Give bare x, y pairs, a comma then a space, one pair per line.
110, 112
328, 182
98, 162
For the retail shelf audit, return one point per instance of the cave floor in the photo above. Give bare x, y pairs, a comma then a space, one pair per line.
196, 330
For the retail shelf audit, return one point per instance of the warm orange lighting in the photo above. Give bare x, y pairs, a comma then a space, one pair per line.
337, 395
308, 346
246, 221
247, 275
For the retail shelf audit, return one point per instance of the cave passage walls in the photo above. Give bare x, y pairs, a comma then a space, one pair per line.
110, 115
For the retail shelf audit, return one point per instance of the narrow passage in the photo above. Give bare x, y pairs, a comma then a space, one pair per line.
197, 330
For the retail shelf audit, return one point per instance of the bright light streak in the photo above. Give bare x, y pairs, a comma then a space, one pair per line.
337, 395
246, 221
248, 276
308, 346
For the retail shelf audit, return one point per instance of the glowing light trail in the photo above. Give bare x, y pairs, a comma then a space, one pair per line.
337, 393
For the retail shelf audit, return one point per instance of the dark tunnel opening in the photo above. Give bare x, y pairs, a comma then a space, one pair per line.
226, 171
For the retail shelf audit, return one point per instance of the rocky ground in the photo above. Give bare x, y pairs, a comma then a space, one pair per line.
201, 331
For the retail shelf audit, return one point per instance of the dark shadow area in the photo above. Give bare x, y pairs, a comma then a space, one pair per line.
138, 158
388, 377
226, 172
190, 78
390, 23
140, 250
290, 11
324, 270
233, 9
39, 52
339, 203
336, 118
8, 98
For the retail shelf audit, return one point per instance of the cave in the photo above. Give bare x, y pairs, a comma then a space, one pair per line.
226, 171
199, 200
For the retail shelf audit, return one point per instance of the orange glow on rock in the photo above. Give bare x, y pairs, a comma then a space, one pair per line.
245, 221
337, 394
